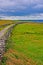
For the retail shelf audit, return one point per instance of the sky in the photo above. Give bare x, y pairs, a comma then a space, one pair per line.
21, 9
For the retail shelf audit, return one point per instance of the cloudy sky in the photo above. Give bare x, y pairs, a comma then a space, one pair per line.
21, 9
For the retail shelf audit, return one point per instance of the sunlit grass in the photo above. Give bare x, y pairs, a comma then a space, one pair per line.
4, 23
27, 39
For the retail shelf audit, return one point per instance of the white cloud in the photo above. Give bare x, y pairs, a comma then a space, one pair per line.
38, 3
8, 5
13, 4
31, 17
38, 6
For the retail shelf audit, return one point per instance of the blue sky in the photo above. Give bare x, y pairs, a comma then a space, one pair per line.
32, 9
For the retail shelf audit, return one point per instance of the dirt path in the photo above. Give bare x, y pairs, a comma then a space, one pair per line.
4, 34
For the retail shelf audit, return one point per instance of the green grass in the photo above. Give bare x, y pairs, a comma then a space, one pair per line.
27, 39
4, 23
2, 27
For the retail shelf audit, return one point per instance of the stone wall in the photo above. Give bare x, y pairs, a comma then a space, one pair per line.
5, 36
3, 40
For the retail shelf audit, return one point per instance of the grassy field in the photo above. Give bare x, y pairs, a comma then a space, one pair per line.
2, 27
4, 23
25, 45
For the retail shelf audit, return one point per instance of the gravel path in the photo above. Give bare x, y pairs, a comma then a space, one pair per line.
4, 34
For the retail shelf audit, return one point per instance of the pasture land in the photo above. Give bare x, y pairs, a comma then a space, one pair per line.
25, 45
4, 23
2, 27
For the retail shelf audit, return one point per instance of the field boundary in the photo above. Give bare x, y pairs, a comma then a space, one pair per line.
4, 34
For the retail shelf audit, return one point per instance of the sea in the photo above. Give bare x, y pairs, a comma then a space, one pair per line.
41, 21
37, 21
